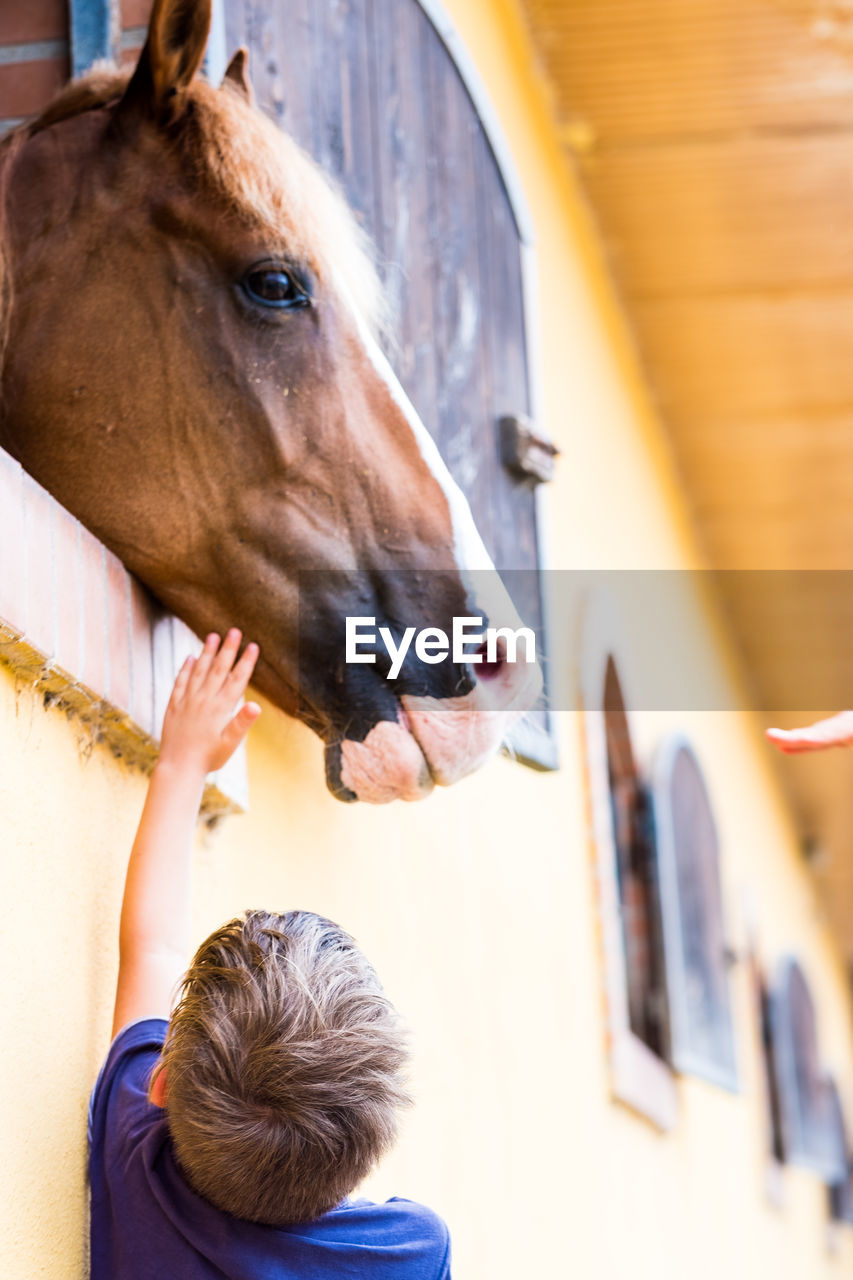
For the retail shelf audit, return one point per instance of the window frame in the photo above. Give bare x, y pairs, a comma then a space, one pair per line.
765, 1050
840, 1189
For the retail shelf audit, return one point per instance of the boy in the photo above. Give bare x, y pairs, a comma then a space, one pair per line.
225, 1143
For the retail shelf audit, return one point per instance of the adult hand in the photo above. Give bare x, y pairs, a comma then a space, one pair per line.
836, 731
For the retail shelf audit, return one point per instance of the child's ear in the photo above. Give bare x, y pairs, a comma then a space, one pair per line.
157, 1092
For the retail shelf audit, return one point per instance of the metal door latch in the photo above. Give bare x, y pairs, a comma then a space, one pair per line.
524, 452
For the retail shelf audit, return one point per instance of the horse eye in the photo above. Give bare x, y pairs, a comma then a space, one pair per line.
274, 287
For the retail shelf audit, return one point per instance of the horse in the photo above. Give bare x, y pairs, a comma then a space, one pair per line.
191, 364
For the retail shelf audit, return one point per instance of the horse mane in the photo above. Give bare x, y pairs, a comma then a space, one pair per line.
101, 85
260, 175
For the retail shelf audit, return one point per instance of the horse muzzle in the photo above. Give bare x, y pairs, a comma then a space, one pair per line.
433, 741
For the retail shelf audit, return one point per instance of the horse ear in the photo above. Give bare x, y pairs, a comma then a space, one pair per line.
237, 75
177, 35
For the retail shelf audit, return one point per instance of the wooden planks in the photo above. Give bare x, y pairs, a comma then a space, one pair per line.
462, 425
639, 70
406, 165
748, 214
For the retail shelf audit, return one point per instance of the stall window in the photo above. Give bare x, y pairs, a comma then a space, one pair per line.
624, 874
697, 957
809, 1121
384, 101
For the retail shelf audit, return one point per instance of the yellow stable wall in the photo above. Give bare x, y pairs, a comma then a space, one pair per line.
477, 906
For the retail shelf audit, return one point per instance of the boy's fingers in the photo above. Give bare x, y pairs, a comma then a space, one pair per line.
237, 728
224, 660
241, 673
182, 679
204, 659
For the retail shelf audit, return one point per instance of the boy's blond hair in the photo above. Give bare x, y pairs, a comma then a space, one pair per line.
283, 1066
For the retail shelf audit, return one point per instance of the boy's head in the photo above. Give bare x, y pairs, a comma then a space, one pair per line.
283, 1067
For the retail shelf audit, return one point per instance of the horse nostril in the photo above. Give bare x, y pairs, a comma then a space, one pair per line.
486, 670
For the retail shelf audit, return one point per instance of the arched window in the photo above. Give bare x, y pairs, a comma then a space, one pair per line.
697, 968
625, 875
809, 1120
373, 91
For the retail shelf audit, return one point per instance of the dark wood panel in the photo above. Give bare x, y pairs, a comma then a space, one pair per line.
461, 426
404, 165
280, 43
504, 339
343, 123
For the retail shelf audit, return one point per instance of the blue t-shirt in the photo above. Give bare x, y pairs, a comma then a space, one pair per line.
148, 1224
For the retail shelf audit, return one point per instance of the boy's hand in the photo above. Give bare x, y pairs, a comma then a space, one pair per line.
200, 732
200, 729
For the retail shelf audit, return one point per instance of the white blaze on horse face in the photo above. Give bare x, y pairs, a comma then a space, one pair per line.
469, 549
441, 740
487, 594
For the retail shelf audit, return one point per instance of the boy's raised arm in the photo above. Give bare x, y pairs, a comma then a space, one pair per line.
200, 732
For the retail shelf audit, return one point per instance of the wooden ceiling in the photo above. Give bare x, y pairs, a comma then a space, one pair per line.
714, 139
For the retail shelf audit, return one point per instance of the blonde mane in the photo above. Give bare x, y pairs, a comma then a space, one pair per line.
259, 174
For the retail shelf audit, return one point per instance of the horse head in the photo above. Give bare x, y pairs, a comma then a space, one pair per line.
190, 365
